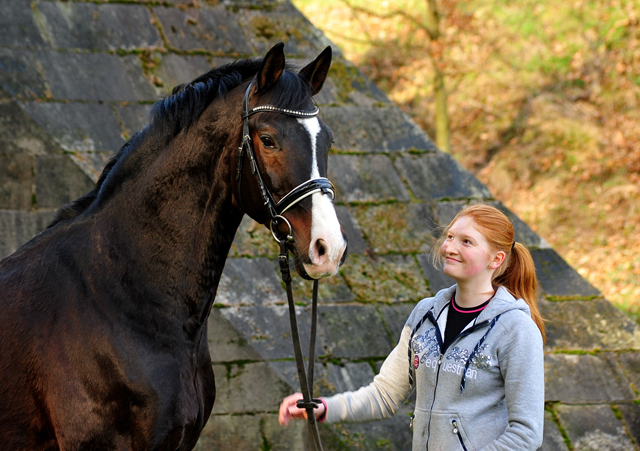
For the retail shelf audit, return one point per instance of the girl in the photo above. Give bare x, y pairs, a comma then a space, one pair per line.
474, 351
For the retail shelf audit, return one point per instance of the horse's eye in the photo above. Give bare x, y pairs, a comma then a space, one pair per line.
267, 142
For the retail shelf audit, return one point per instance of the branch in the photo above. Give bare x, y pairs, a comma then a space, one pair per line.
391, 15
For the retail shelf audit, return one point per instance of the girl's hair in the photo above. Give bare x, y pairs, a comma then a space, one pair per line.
517, 273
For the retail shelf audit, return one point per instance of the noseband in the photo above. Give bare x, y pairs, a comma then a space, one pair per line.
306, 189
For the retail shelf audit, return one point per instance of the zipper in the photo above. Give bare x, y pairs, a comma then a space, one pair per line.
440, 359
456, 430
433, 401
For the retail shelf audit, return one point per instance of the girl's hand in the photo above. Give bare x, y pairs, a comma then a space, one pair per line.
289, 410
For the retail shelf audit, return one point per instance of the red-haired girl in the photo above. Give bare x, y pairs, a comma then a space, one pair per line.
473, 352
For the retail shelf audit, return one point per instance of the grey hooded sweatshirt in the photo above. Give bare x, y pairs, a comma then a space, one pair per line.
484, 392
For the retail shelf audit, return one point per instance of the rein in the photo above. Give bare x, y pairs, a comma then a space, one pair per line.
276, 209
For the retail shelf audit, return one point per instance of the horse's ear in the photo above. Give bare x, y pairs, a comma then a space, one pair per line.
316, 71
271, 68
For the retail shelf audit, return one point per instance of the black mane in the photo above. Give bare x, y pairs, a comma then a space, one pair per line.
178, 112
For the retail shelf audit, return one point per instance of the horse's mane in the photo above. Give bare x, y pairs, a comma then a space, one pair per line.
177, 112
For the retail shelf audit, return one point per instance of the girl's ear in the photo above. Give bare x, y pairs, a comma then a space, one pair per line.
497, 260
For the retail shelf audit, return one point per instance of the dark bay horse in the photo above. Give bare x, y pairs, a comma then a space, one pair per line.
103, 316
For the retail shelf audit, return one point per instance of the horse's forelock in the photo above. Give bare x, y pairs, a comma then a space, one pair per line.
291, 92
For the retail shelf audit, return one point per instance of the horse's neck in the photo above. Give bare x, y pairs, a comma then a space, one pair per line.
175, 224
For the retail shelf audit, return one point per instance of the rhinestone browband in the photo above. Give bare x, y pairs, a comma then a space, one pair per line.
273, 109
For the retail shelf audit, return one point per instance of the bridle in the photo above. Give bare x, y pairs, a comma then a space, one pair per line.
306, 189
275, 210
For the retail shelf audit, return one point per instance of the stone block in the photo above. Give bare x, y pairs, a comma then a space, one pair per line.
175, 70
140, 79
366, 178
267, 329
594, 428
437, 279
352, 332
631, 418
355, 242
134, 117
397, 227
248, 387
19, 75
94, 77
630, 363
18, 227
59, 181
588, 325
16, 181
255, 432
19, 25
265, 26
225, 343
386, 278
78, 127
557, 278
437, 175
374, 129
97, 26
213, 29
253, 240
395, 317
249, 281
575, 379
288, 371
552, 439
20, 134
331, 290
347, 377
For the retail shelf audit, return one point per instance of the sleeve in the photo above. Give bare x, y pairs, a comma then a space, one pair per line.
380, 399
522, 367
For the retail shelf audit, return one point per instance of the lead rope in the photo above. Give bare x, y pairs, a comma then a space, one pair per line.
309, 403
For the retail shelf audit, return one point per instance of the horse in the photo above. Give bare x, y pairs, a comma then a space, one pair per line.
103, 318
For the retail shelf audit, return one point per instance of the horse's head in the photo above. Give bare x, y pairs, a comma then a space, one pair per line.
282, 165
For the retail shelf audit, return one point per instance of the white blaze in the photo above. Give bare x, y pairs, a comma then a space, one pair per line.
324, 221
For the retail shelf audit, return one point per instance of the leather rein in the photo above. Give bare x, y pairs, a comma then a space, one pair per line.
276, 209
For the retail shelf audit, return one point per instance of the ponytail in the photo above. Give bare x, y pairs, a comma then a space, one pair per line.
519, 277
517, 272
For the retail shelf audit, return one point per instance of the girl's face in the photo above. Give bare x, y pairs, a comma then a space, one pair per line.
467, 255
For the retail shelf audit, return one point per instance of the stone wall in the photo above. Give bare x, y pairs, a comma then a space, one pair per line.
78, 78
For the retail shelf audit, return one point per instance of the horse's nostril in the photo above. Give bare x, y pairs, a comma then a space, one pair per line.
322, 250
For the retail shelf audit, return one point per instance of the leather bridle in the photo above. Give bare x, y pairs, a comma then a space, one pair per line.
276, 210
306, 189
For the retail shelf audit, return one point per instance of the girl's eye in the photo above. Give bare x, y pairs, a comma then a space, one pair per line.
267, 142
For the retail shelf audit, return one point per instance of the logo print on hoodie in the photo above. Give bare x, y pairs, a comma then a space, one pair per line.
480, 360
427, 342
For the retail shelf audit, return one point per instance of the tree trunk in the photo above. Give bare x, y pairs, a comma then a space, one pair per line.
443, 134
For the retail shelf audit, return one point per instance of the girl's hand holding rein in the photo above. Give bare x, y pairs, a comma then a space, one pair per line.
289, 410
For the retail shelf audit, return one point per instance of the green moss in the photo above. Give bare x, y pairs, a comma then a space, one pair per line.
550, 407
345, 77
571, 298
275, 29
616, 411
